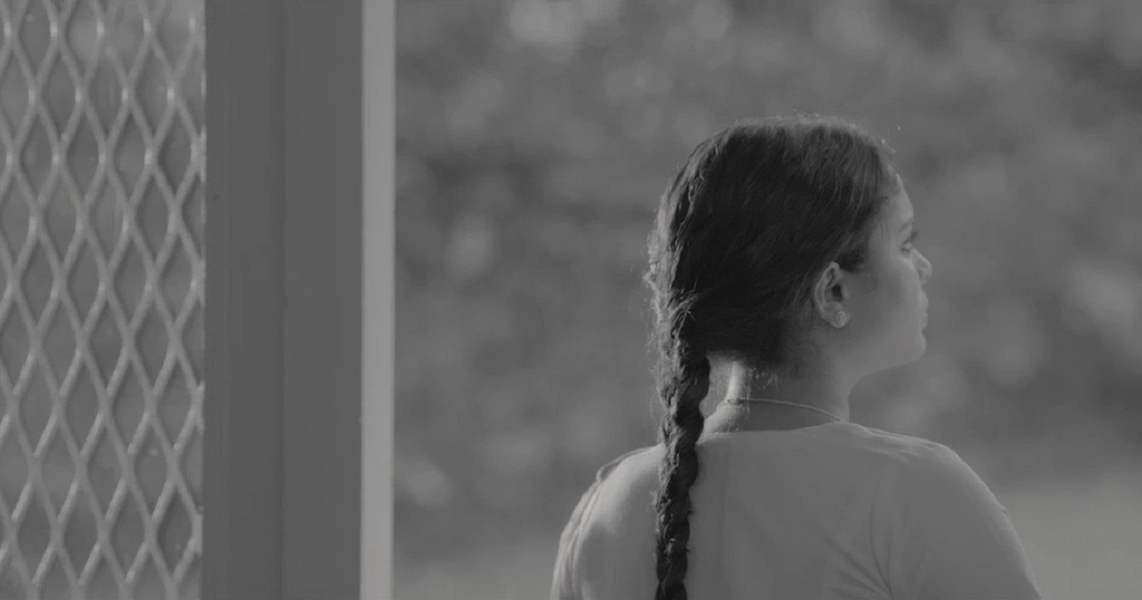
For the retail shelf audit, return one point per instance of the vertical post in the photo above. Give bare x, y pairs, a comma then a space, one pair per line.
321, 440
299, 304
242, 411
377, 350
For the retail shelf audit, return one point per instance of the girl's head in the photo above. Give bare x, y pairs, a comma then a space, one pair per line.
777, 243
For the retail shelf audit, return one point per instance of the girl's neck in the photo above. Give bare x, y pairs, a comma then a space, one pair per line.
817, 387
761, 417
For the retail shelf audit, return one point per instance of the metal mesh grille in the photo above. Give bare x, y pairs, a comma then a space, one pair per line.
102, 270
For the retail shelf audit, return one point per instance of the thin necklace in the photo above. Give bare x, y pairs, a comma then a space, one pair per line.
738, 400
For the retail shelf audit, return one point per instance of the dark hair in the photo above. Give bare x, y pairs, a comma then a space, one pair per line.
743, 231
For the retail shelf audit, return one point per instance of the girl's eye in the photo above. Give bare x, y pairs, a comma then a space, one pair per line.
912, 239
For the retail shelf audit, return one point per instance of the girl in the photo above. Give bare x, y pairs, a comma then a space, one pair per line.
783, 255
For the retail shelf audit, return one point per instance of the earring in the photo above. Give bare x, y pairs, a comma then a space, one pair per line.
840, 318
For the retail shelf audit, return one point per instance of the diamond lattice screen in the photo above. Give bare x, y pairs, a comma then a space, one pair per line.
101, 267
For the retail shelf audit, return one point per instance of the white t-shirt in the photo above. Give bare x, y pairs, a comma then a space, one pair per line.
832, 511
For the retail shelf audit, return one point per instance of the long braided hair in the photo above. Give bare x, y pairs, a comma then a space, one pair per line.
743, 230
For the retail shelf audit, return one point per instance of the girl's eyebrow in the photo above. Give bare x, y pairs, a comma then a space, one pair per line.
907, 223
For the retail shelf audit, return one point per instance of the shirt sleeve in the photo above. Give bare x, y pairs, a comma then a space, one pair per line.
948, 535
564, 583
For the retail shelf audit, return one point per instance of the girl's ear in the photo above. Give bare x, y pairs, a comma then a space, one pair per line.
830, 292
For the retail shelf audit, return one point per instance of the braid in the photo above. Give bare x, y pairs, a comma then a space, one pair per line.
683, 391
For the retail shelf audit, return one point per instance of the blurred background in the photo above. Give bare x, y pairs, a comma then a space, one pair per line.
534, 137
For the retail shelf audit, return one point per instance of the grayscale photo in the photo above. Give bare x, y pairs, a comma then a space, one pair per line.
570, 299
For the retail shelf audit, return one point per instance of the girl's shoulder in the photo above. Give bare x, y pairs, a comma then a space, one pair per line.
638, 454
900, 448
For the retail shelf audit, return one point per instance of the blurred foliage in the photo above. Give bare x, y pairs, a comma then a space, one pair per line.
534, 138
